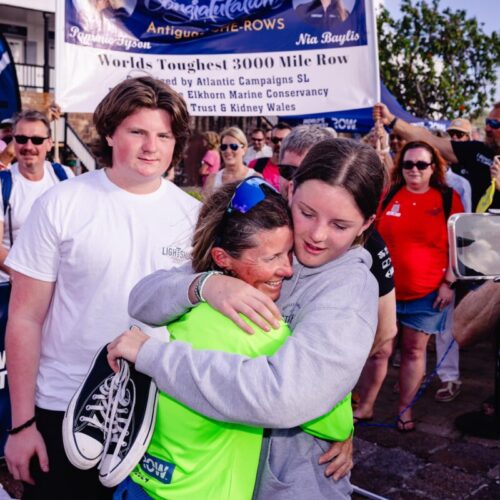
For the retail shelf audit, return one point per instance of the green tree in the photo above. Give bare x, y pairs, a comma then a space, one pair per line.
439, 64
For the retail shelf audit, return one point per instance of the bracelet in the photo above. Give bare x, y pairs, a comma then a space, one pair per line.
201, 283
450, 284
21, 427
393, 122
197, 289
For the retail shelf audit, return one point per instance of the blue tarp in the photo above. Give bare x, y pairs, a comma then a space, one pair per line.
360, 120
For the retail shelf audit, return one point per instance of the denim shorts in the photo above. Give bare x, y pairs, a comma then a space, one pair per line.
420, 315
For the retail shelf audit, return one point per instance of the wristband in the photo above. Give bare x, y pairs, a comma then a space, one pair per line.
21, 427
198, 291
393, 122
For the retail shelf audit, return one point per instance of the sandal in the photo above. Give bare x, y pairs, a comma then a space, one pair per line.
448, 391
405, 425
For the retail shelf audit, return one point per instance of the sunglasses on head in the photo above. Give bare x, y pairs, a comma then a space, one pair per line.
248, 194
456, 133
493, 123
35, 139
233, 146
287, 171
421, 165
276, 140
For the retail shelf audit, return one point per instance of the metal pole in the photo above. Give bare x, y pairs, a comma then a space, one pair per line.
367, 494
46, 67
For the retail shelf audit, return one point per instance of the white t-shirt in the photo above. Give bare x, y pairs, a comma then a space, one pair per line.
96, 241
252, 154
23, 195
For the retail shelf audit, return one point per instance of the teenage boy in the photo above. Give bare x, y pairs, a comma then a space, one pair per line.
83, 247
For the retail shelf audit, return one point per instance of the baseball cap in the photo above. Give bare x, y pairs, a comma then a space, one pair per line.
460, 124
6, 122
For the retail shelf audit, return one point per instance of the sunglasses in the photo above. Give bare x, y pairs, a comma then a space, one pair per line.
421, 165
248, 194
287, 171
35, 139
456, 133
276, 140
493, 123
256, 139
234, 147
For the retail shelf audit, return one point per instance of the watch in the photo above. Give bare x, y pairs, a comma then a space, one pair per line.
451, 284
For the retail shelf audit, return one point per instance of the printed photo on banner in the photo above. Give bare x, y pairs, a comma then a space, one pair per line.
226, 57
215, 26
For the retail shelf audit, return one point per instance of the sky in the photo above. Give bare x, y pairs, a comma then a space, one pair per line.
485, 11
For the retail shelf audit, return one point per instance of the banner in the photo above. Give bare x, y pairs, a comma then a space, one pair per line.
360, 121
10, 100
227, 57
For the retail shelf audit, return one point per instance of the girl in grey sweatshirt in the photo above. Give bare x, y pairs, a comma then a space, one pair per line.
331, 305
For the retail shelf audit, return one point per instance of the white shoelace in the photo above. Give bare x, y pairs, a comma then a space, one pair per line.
120, 406
101, 406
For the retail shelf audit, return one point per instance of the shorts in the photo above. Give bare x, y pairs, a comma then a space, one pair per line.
128, 490
420, 315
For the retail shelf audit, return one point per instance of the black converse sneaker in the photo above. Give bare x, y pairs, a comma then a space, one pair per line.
85, 420
130, 424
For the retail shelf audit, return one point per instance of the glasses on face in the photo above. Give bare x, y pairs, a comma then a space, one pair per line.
233, 146
287, 171
421, 165
276, 140
456, 133
493, 123
35, 139
249, 193
257, 139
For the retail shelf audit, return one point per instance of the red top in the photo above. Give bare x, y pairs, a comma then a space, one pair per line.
271, 173
414, 228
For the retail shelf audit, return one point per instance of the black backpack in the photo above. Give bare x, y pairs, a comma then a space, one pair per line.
6, 180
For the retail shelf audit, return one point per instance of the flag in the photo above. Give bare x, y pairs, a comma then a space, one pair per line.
10, 100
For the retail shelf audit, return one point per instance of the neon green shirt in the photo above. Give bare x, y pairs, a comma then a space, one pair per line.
195, 457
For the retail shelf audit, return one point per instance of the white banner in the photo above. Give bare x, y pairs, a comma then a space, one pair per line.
289, 62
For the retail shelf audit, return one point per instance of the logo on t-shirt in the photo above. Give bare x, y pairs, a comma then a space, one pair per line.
480, 158
176, 253
394, 211
157, 468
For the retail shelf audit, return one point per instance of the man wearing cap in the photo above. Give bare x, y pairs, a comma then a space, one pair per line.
475, 159
460, 129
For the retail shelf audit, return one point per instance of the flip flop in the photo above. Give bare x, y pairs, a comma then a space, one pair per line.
405, 425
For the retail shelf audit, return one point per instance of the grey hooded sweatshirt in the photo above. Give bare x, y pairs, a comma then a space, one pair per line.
332, 311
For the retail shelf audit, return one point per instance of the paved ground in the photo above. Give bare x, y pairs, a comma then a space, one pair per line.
435, 462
